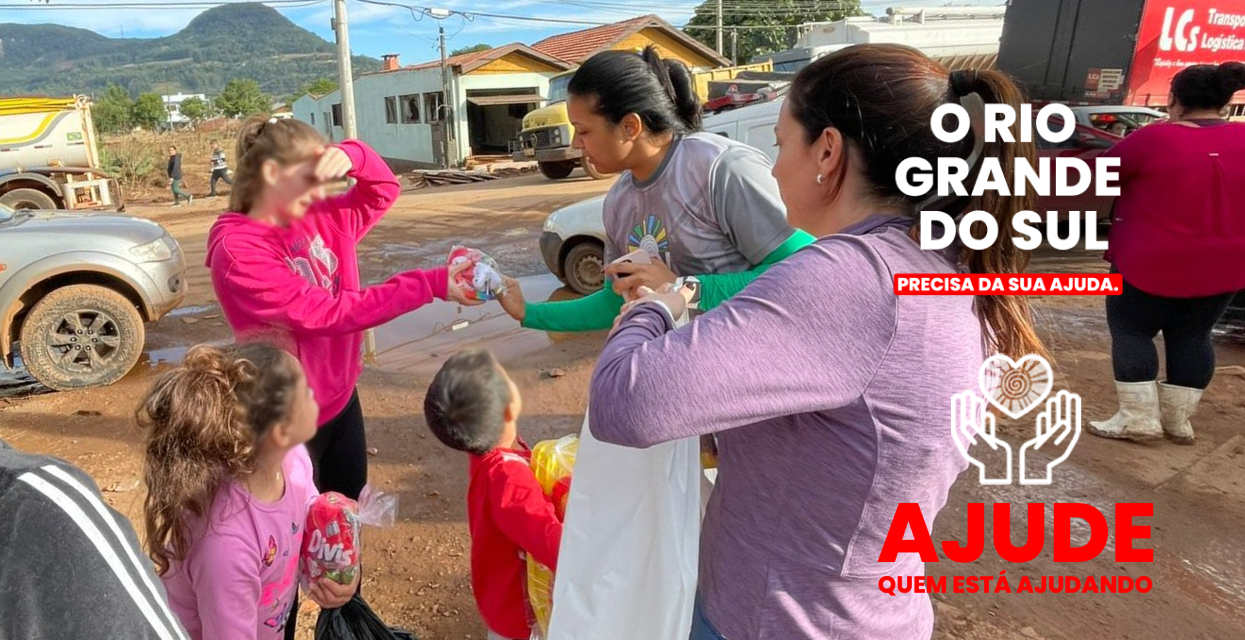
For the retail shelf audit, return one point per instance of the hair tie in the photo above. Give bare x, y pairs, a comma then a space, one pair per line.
264, 126
963, 82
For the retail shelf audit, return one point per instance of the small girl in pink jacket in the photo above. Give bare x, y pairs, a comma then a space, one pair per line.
284, 262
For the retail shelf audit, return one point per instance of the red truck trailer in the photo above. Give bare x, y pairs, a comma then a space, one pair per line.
1117, 51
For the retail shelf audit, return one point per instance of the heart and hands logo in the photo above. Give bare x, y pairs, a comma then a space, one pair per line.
1015, 388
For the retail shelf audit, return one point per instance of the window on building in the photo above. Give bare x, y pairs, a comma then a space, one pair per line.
337, 115
391, 110
432, 106
410, 108
313, 118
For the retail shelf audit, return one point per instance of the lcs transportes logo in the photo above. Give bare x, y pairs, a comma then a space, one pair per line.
1182, 33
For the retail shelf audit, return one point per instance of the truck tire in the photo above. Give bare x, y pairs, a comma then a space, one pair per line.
81, 336
584, 267
28, 199
592, 170
557, 170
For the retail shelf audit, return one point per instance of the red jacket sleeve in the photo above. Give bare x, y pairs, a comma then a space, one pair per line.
374, 192
523, 513
260, 282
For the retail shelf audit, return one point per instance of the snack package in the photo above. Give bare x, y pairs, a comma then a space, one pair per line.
481, 282
331, 537
552, 462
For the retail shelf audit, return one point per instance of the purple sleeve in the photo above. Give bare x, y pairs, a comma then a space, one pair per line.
806, 336
225, 574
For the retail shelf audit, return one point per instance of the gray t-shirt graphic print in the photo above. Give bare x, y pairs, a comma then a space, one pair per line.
711, 207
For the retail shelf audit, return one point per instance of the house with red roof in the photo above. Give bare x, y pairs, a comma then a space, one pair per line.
402, 112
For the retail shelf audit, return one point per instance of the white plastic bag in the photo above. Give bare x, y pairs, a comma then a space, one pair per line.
627, 566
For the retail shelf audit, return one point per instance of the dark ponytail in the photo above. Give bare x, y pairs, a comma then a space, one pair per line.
659, 91
882, 97
1208, 86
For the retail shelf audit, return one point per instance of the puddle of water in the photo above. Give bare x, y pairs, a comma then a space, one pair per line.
1232, 326
190, 311
18, 382
420, 341
167, 356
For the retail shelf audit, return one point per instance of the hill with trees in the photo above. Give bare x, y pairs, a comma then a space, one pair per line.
249, 41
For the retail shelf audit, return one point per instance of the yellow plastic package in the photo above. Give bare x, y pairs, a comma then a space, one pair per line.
552, 462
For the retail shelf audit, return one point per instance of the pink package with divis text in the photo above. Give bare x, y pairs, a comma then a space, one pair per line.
481, 282
331, 537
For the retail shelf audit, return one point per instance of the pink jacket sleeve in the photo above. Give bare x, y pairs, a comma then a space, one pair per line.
265, 288
374, 192
227, 586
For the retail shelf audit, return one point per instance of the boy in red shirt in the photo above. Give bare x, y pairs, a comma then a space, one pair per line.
473, 406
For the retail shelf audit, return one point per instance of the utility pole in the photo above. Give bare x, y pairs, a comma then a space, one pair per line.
719, 27
444, 108
345, 74
345, 82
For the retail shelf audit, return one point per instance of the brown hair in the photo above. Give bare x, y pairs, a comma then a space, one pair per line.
203, 422
262, 139
882, 98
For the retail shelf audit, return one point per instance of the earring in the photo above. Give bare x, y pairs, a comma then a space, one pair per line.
821, 179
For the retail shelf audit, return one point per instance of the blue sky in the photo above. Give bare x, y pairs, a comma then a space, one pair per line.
377, 30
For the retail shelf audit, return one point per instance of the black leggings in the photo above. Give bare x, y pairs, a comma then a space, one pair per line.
1136, 317
339, 452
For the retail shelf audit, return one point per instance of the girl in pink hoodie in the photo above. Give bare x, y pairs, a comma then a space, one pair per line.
284, 266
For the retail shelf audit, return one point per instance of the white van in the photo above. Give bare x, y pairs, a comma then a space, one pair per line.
573, 242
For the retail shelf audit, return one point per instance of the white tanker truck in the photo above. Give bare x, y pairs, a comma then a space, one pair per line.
49, 156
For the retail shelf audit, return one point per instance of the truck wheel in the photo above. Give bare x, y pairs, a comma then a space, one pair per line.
585, 267
28, 199
592, 170
81, 336
557, 170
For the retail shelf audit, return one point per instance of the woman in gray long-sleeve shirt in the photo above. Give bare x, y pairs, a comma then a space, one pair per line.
830, 395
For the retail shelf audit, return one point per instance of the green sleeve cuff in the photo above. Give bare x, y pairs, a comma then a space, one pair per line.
590, 313
717, 288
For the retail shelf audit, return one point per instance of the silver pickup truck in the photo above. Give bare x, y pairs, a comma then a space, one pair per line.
75, 290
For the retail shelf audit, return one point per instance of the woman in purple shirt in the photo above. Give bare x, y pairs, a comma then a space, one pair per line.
830, 395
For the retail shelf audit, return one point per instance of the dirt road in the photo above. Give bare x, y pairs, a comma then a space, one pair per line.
418, 570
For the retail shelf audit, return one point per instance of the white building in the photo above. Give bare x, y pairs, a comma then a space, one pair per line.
173, 105
959, 37
402, 113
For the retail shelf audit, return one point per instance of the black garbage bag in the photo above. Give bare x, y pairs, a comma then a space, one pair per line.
356, 621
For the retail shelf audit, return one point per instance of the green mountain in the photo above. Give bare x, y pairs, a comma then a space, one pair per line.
232, 41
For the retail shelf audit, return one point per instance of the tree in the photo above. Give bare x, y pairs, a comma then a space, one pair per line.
472, 49
321, 87
113, 111
149, 111
194, 109
781, 18
242, 98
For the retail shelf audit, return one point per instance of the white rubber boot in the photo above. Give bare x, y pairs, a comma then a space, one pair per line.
1178, 404
1138, 417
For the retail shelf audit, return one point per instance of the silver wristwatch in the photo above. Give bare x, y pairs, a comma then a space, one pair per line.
692, 283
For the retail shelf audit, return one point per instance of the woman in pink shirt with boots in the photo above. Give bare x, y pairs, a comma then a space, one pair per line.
1178, 239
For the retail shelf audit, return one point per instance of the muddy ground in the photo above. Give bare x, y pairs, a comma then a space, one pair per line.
418, 570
